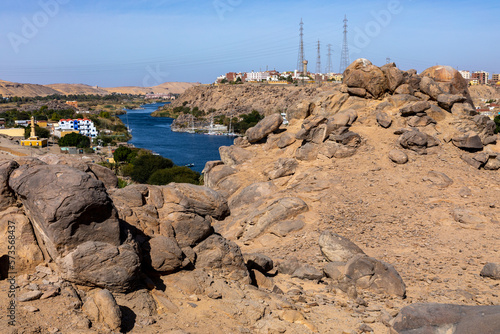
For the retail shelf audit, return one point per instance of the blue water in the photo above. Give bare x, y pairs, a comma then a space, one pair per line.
154, 133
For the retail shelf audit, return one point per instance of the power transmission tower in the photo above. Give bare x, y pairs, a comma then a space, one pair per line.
387, 60
318, 60
329, 66
300, 58
344, 60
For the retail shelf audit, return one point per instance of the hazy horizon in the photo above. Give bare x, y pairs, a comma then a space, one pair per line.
146, 43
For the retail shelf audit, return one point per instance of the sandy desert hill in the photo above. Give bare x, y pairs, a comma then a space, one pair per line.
8, 88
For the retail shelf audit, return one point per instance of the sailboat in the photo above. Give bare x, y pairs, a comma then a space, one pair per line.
192, 126
211, 130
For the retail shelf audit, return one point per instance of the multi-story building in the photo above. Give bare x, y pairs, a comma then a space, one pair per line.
257, 76
481, 76
84, 126
495, 77
465, 74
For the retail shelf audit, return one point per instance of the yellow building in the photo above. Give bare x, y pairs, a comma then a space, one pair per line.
33, 140
42, 124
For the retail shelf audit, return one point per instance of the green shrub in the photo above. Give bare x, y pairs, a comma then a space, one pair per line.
146, 164
178, 174
122, 153
497, 122
74, 140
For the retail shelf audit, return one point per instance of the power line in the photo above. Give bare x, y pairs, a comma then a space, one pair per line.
318, 59
344, 60
300, 58
329, 66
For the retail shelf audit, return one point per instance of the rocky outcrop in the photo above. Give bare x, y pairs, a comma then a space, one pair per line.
350, 265
363, 74
265, 127
447, 318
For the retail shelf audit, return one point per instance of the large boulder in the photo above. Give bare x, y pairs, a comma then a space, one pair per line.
165, 254
101, 264
280, 210
67, 207
430, 87
414, 140
221, 257
436, 318
449, 80
468, 141
265, 127
336, 248
491, 270
369, 273
197, 199
363, 74
234, 155
106, 175
393, 75
6, 196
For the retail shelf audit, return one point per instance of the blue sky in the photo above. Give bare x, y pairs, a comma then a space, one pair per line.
147, 42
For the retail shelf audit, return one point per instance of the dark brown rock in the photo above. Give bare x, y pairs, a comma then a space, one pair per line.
468, 141
222, 257
383, 119
104, 174
6, 196
165, 254
101, 264
414, 140
446, 101
491, 270
430, 87
189, 228
441, 318
370, 273
259, 262
393, 75
414, 108
74, 209
363, 74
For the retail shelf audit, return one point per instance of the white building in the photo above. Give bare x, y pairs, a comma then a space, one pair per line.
84, 126
465, 74
257, 76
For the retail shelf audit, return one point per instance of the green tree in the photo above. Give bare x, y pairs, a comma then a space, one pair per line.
146, 164
178, 174
122, 153
39, 132
497, 122
74, 140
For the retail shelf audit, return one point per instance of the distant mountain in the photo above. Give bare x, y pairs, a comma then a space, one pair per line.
32, 90
164, 88
29, 90
67, 89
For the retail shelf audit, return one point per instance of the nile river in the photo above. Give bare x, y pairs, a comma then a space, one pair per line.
154, 133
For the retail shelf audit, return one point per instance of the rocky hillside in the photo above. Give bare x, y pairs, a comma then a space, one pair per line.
483, 93
374, 210
242, 99
30, 90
